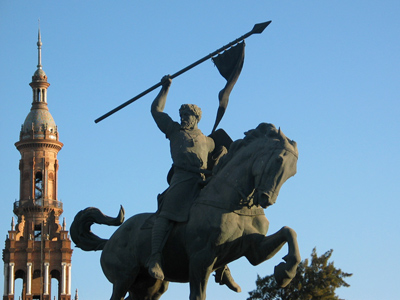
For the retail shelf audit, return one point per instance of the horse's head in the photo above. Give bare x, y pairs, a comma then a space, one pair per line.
274, 164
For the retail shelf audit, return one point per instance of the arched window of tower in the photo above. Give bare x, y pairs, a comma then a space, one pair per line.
38, 232
38, 185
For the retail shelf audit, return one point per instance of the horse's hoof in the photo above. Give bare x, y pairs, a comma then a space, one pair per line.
283, 276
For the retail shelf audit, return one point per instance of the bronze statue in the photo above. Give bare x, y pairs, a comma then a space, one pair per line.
212, 212
226, 221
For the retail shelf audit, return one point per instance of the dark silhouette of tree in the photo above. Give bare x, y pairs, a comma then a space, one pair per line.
315, 281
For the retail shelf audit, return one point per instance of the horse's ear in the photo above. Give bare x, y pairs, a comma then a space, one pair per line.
282, 135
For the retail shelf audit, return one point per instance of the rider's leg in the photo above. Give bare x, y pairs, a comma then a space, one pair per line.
159, 234
223, 276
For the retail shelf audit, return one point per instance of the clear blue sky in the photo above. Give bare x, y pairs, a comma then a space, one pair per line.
326, 72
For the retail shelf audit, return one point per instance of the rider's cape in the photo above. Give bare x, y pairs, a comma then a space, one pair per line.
222, 140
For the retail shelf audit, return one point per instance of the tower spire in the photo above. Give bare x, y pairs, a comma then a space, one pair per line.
39, 44
39, 82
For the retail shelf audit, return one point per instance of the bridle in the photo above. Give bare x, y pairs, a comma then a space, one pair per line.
247, 201
272, 192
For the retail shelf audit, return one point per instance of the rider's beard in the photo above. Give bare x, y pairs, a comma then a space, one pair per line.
187, 124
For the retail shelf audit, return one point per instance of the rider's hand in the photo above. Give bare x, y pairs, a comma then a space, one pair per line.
166, 81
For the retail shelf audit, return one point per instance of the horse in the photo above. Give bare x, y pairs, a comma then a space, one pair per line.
227, 221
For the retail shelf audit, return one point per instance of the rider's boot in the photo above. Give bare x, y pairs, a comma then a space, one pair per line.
155, 269
223, 276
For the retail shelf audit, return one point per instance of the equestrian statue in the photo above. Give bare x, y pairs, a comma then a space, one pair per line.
224, 222
212, 212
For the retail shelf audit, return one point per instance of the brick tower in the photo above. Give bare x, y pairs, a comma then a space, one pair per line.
38, 248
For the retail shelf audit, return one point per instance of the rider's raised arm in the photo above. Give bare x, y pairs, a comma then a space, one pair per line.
157, 107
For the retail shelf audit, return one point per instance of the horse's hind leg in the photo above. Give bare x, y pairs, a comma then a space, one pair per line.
264, 247
147, 289
162, 289
119, 292
200, 269
122, 285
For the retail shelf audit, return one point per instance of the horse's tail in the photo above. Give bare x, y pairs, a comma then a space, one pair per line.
80, 231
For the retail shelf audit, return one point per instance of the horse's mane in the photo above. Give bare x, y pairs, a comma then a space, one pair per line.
264, 132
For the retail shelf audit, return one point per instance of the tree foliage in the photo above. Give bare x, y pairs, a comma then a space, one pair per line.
315, 281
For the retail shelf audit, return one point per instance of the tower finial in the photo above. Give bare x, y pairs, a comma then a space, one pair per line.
39, 44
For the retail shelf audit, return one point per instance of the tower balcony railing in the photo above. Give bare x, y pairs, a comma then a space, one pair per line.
37, 203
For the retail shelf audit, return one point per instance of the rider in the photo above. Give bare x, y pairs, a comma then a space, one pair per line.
189, 151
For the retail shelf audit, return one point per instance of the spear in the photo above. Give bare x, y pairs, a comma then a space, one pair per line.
258, 28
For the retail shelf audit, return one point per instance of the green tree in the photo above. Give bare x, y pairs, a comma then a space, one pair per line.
316, 281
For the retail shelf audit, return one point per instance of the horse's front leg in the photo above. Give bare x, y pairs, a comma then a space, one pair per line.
286, 271
263, 248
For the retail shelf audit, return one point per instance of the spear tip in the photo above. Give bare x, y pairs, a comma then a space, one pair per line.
259, 28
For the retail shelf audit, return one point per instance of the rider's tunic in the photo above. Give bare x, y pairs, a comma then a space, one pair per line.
189, 152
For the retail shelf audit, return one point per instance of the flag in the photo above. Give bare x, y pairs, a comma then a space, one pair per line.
229, 65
